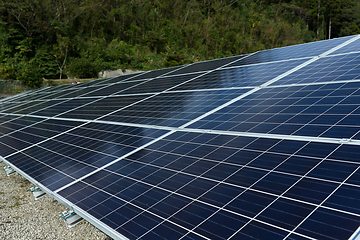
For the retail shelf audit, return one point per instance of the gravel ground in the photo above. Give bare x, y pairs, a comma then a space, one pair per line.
21, 217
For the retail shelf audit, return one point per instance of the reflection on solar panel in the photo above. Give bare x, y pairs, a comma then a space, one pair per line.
258, 146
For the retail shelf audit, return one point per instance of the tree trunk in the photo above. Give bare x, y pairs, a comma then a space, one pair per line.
318, 16
329, 28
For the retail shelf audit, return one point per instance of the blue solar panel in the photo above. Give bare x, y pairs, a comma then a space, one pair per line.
173, 109
326, 110
194, 185
352, 47
264, 145
245, 76
327, 69
296, 51
207, 65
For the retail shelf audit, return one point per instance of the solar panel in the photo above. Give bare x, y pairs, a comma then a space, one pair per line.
264, 145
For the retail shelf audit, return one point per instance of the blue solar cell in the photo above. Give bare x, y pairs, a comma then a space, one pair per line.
328, 224
20, 106
221, 195
334, 171
117, 79
275, 183
246, 177
345, 198
298, 165
285, 213
311, 190
249, 203
221, 225
12, 145
256, 230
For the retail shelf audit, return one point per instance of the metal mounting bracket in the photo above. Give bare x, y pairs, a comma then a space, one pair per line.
71, 218
9, 170
37, 192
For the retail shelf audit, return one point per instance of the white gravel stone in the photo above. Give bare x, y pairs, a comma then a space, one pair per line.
21, 217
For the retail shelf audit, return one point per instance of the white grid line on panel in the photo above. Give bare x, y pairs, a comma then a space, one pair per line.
109, 231
231, 133
86, 122
211, 205
139, 147
247, 188
265, 63
143, 145
270, 82
300, 113
334, 50
184, 196
340, 46
116, 160
194, 90
355, 235
68, 99
302, 177
293, 231
205, 159
241, 166
290, 199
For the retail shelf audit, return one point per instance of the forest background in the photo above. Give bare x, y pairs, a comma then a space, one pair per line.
55, 39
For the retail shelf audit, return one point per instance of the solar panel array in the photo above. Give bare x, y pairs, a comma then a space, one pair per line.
264, 145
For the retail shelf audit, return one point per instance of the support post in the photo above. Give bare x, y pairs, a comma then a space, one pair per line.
71, 218
37, 192
9, 170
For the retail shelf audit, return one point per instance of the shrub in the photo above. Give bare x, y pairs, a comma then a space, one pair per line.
174, 60
82, 68
31, 77
7, 72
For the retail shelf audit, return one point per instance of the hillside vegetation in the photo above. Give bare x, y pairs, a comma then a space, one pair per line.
54, 39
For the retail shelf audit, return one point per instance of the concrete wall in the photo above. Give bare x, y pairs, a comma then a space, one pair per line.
114, 73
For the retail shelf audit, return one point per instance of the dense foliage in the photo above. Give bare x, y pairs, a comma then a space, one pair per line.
78, 38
